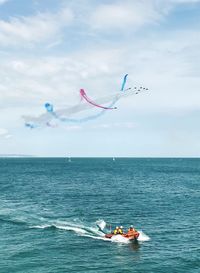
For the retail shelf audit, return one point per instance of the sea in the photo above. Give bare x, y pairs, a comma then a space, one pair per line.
50, 208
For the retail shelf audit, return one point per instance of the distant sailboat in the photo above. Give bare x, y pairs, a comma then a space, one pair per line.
113, 158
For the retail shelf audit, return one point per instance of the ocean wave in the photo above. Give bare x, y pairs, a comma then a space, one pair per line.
14, 221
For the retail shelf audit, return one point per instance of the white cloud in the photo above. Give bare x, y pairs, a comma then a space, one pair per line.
3, 2
58, 79
8, 136
3, 131
169, 67
184, 1
116, 125
72, 127
166, 63
128, 14
33, 29
131, 15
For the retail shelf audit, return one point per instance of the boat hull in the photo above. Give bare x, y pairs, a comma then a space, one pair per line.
130, 237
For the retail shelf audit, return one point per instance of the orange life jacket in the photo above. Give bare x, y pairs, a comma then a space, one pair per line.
132, 232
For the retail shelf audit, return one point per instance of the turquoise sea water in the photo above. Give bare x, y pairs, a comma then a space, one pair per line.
48, 210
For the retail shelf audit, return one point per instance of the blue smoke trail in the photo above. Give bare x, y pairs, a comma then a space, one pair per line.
73, 120
124, 82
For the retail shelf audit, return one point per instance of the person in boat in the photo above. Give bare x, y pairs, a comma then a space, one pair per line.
132, 232
115, 232
120, 230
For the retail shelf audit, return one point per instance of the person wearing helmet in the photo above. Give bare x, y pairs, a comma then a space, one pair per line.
131, 228
132, 232
116, 230
120, 230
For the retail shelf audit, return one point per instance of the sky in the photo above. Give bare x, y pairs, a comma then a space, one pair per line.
50, 49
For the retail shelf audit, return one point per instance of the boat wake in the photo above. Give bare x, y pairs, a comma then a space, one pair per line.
89, 231
9, 215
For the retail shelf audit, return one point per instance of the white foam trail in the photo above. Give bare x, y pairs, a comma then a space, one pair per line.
120, 239
91, 232
68, 228
75, 229
95, 231
41, 226
97, 237
143, 237
101, 224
